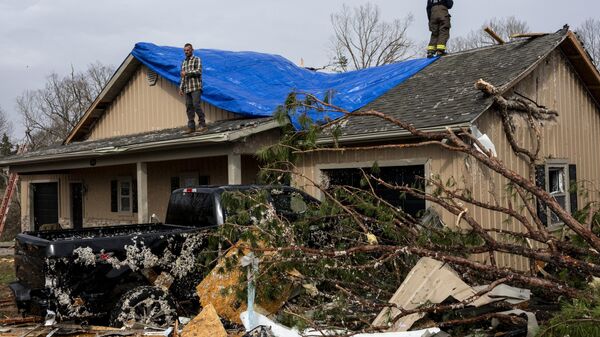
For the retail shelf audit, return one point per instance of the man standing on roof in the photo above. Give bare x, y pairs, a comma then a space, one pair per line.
439, 25
191, 87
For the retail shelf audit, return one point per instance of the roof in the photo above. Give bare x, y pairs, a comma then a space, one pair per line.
444, 95
254, 84
436, 96
221, 131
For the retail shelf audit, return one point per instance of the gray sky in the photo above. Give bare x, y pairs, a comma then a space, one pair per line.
38, 37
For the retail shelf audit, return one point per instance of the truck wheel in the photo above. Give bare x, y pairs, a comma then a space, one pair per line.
145, 306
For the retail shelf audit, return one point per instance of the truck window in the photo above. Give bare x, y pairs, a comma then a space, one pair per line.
191, 209
288, 202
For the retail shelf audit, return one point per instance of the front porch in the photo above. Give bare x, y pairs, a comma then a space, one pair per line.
128, 179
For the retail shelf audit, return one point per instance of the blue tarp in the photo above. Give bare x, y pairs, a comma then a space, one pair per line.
255, 84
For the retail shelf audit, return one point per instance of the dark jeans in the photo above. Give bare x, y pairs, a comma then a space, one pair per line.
192, 106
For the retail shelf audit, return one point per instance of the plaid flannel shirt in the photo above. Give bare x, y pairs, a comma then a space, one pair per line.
193, 75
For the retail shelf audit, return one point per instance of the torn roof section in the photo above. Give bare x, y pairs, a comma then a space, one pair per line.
255, 84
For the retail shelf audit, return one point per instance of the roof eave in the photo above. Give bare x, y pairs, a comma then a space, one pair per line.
106, 96
227, 136
389, 135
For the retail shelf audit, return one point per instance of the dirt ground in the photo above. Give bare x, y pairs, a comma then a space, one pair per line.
7, 275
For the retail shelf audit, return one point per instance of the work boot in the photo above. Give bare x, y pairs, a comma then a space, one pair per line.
430, 54
441, 53
189, 130
202, 128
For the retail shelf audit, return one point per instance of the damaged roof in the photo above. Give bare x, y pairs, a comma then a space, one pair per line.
443, 94
220, 131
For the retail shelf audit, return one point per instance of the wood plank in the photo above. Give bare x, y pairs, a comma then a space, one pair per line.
521, 35
493, 34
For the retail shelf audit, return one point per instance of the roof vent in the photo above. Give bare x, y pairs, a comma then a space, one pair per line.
151, 77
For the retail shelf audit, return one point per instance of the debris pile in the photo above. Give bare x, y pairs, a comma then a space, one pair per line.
429, 283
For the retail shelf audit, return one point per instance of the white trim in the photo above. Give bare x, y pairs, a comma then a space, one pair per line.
121, 179
142, 192
234, 169
564, 164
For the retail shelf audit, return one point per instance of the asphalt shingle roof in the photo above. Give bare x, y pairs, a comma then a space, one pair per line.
443, 94
144, 138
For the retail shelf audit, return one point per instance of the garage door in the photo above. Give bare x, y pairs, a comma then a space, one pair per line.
45, 204
400, 175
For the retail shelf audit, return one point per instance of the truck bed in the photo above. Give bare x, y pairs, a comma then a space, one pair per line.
62, 243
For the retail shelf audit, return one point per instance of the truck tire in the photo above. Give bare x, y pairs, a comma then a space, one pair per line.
144, 306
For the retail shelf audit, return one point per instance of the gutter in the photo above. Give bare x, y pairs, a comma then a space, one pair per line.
360, 138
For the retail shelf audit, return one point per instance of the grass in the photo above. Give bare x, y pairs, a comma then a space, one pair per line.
7, 270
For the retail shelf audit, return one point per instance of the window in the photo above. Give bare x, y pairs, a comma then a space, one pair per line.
400, 175
557, 186
189, 179
560, 180
288, 202
123, 195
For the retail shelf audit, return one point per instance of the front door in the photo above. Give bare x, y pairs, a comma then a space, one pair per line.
45, 204
77, 205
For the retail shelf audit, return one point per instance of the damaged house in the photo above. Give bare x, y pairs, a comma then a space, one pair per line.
128, 152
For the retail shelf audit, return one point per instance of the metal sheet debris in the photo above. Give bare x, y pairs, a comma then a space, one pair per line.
430, 281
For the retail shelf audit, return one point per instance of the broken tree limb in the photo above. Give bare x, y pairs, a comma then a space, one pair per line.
493, 34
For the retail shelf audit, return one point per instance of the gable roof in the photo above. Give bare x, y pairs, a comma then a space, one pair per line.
443, 94
254, 84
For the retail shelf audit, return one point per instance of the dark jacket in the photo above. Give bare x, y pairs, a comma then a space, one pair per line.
431, 3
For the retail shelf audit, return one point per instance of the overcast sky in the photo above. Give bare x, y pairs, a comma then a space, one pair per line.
38, 37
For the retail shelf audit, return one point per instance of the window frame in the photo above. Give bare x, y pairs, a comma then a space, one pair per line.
120, 181
548, 167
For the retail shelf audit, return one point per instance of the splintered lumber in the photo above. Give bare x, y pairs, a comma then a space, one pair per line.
493, 34
522, 35
20, 320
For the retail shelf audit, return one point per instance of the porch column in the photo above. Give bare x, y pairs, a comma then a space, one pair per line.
234, 169
142, 192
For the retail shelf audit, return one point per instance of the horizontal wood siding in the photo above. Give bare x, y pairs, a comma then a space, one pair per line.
97, 199
159, 179
142, 108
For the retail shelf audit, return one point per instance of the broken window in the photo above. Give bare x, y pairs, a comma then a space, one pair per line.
557, 186
558, 179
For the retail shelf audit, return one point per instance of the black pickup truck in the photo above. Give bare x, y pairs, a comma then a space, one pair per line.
132, 274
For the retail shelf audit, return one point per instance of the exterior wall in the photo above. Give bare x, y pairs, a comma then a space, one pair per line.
160, 173
97, 195
141, 108
64, 209
159, 179
96, 199
573, 137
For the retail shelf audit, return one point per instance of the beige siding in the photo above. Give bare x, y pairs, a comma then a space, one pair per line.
141, 108
64, 208
159, 179
96, 199
573, 137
